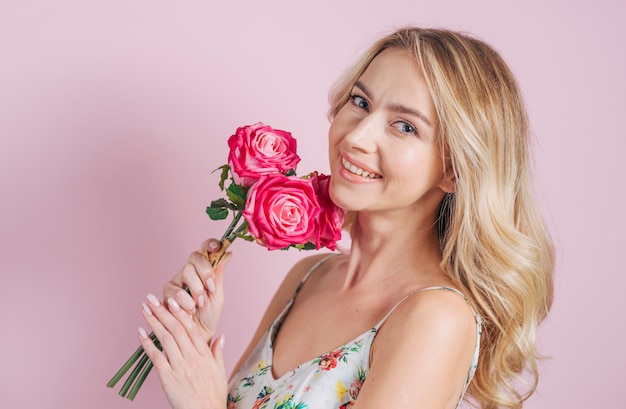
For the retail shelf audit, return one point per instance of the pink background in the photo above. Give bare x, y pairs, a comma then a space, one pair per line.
113, 114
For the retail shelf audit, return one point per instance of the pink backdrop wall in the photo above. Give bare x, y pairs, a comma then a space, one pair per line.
113, 113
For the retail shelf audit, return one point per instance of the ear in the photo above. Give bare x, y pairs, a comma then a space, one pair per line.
447, 184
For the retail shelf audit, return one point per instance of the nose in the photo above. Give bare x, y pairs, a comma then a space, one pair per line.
364, 134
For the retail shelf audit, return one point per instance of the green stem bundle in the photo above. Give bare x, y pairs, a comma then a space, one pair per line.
140, 359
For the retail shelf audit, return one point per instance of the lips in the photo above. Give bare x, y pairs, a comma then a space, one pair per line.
354, 169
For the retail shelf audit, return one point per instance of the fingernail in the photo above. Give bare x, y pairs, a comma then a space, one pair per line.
153, 300
210, 285
142, 333
173, 304
222, 341
213, 245
146, 309
201, 301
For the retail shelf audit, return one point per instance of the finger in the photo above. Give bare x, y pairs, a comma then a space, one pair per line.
204, 270
193, 274
217, 348
156, 356
169, 331
194, 333
193, 277
216, 283
221, 265
186, 278
214, 250
210, 246
184, 299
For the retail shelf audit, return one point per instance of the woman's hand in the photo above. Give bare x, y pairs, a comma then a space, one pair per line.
205, 284
192, 372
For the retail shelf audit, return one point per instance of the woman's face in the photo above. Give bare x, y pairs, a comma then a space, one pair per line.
383, 150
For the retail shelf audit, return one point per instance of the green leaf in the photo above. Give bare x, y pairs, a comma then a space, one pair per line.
291, 172
217, 213
305, 246
237, 195
221, 203
224, 175
245, 237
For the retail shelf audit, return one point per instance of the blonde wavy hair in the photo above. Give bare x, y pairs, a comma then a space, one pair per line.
493, 241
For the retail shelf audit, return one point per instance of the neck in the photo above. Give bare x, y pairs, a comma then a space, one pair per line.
384, 249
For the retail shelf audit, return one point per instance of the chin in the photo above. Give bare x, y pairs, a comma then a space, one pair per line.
333, 195
345, 201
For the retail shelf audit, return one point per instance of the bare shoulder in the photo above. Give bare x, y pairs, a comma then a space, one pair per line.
424, 350
294, 277
437, 308
440, 314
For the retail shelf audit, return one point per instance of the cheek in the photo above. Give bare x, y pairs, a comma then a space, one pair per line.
339, 126
333, 133
333, 140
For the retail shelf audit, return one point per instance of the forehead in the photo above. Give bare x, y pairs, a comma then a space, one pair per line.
397, 60
395, 78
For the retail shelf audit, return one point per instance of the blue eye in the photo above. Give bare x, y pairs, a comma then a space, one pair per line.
360, 102
406, 127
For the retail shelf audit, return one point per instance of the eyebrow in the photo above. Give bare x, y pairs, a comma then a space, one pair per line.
395, 107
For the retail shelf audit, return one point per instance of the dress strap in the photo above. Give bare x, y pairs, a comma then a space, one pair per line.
304, 279
439, 287
275, 326
454, 290
308, 274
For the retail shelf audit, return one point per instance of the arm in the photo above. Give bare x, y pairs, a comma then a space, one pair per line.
421, 355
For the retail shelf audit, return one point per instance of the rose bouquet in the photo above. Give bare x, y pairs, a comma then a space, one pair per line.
268, 203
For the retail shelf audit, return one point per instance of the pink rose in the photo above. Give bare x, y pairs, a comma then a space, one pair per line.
330, 219
281, 211
257, 150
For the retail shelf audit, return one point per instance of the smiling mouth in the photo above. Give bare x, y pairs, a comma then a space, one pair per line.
352, 168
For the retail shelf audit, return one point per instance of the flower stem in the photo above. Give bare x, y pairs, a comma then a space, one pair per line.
147, 367
144, 373
133, 375
142, 377
116, 378
232, 225
239, 230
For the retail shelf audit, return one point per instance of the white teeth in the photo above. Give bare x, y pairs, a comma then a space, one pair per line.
358, 171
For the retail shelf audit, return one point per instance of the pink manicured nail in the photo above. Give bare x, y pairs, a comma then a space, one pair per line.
153, 300
210, 284
146, 309
142, 333
222, 341
201, 301
173, 304
213, 245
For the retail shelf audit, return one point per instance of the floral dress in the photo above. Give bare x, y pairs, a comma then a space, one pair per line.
329, 381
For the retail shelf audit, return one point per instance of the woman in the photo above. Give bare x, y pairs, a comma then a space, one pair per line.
450, 268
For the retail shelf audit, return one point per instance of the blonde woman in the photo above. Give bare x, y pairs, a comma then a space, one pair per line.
450, 267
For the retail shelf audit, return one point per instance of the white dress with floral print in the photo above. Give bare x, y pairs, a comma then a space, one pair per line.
330, 381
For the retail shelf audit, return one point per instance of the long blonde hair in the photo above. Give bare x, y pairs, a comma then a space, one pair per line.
494, 243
